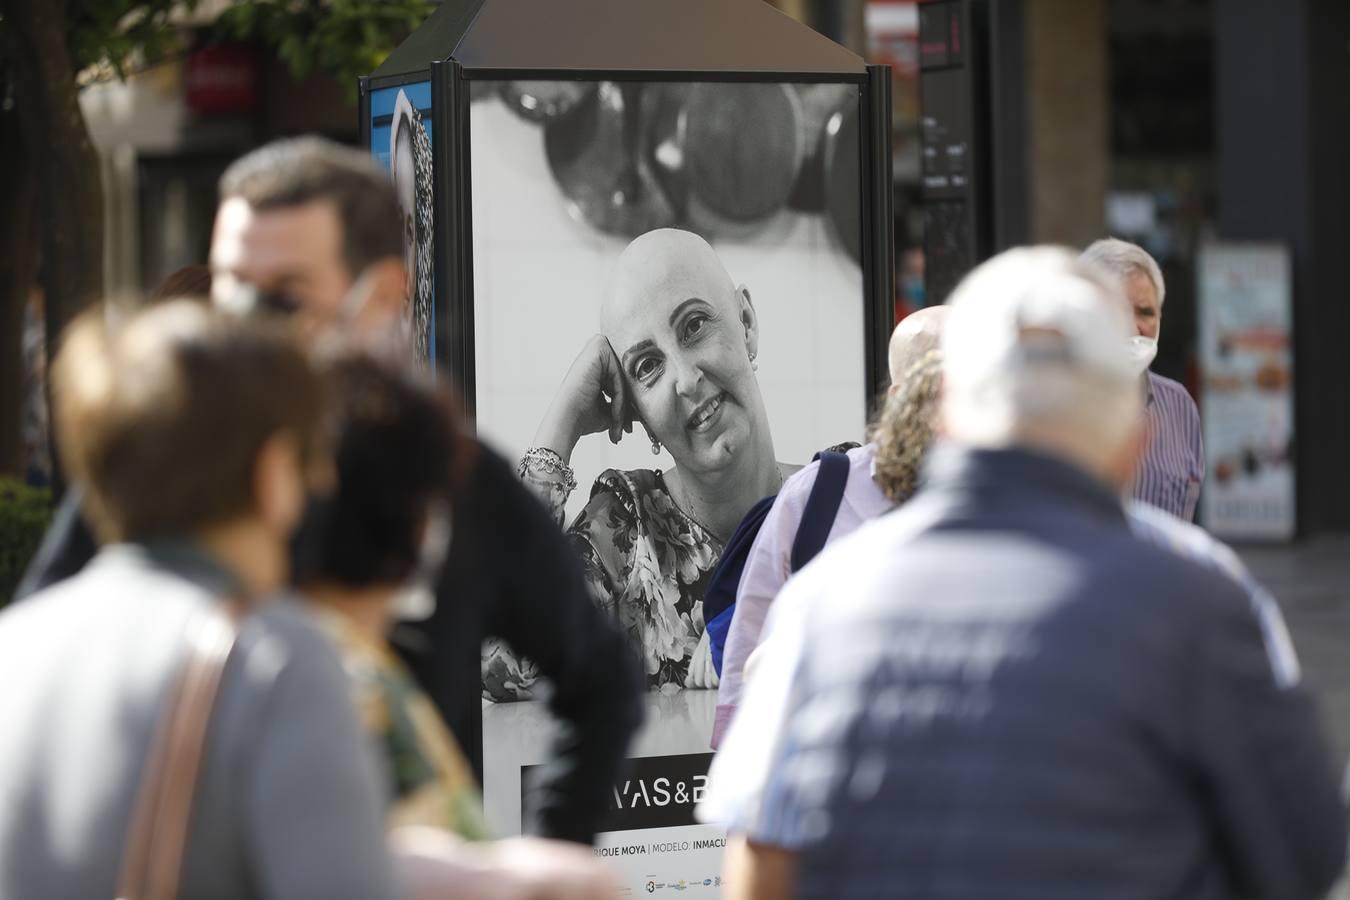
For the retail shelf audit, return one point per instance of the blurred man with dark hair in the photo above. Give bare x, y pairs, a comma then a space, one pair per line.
308, 228
313, 229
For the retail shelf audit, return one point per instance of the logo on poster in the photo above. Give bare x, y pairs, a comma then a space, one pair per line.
660, 792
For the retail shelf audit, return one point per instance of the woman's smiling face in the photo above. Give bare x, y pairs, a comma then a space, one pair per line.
683, 334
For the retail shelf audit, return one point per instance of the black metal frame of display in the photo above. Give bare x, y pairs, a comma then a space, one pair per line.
468, 41
454, 313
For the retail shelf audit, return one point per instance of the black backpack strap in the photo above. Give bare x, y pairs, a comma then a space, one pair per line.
821, 507
726, 576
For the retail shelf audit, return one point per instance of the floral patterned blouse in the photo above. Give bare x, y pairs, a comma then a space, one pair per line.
647, 564
430, 780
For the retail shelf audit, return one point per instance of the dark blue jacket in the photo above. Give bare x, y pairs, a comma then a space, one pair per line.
1006, 694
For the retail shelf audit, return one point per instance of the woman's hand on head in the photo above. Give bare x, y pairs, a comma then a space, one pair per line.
591, 399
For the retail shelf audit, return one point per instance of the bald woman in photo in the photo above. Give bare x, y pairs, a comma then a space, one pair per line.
676, 356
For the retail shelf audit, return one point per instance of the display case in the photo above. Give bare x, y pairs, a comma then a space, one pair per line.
666, 222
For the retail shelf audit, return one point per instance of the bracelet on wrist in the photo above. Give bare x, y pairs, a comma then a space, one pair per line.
543, 459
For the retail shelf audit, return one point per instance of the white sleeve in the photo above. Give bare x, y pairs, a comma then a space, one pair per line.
741, 769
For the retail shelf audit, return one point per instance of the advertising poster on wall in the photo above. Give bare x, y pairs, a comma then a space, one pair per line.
669, 318
1247, 402
400, 139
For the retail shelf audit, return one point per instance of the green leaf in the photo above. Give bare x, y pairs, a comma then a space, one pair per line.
25, 513
341, 38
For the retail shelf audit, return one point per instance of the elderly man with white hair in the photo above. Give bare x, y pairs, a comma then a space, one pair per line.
1002, 688
1172, 467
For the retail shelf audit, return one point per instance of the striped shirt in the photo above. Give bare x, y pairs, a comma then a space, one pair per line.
1173, 465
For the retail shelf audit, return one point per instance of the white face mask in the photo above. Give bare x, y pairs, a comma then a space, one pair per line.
1141, 351
417, 600
393, 335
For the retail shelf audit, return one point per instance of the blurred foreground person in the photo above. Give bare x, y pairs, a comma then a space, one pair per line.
1171, 468
1000, 690
194, 467
68, 543
312, 230
399, 454
775, 553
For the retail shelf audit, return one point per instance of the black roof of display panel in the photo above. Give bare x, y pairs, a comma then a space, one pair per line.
748, 37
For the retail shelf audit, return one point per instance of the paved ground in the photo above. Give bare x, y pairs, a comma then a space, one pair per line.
1312, 582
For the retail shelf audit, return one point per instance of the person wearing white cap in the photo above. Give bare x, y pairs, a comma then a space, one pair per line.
1001, 690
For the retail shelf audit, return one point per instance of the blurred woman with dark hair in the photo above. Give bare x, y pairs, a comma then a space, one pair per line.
399, 454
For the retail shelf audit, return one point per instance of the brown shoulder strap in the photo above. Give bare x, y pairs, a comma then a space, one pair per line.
152, 860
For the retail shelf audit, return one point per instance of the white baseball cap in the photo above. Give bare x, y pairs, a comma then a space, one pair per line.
1032, 307
1033, 332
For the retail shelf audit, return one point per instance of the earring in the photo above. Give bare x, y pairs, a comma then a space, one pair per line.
754, 366
656, 447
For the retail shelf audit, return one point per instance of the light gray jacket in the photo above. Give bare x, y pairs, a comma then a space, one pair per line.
289, 802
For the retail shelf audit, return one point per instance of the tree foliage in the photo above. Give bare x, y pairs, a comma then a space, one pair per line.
342, 38
122, 34
118, 36
25, 513
52, 201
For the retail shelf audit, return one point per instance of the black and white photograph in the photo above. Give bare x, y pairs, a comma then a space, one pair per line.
669, 317
410, 167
